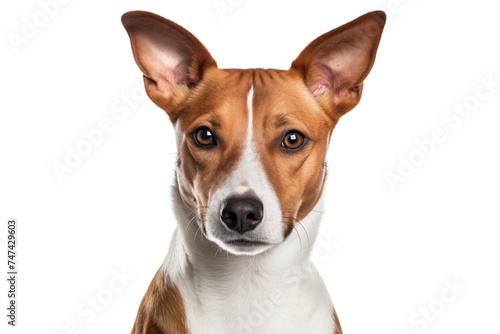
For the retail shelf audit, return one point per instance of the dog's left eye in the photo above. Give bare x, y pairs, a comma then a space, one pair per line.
293, 140
204, 137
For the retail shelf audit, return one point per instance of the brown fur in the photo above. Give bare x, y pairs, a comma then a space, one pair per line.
216, 102
162, 309
338, 328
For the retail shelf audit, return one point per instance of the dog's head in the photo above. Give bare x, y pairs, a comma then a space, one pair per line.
252, 143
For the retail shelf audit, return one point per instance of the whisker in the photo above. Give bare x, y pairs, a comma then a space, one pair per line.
300, 223
190, 222
199, 227
307, 234
300, 239
295, 211
217, 251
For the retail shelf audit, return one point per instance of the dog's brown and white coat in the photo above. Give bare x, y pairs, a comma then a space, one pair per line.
251, 167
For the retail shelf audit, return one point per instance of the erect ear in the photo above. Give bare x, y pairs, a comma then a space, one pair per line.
169, 56
335, 64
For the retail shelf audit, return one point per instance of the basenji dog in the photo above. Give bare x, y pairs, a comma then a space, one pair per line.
250, 170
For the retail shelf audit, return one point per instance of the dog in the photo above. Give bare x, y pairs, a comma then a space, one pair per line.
250, 171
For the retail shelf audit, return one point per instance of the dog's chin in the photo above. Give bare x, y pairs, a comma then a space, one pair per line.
242, 246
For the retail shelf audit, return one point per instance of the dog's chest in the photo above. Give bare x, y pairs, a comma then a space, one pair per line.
249, 298
280, 311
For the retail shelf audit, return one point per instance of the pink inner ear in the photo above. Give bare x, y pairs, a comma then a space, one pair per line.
161, 60
318, 88
324, 79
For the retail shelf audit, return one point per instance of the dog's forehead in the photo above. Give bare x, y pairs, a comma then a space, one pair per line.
218, 99
223, 98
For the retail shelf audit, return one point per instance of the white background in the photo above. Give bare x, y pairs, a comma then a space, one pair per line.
393, 250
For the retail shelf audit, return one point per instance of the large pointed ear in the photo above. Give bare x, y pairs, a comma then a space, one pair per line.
335, 64
169, 56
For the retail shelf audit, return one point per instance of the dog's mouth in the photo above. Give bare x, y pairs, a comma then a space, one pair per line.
245, 242
245, 246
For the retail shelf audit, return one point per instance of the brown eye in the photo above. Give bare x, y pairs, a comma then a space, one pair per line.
204, 137
293, 140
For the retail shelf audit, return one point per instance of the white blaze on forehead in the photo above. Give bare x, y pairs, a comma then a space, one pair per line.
248, 177
244, 187
250, 114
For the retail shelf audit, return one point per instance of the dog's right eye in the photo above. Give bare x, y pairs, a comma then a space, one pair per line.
204, 137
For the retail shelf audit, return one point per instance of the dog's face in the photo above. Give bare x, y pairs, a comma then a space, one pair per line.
252, 143
251, 161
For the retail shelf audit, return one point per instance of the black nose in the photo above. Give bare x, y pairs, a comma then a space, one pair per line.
242, 214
